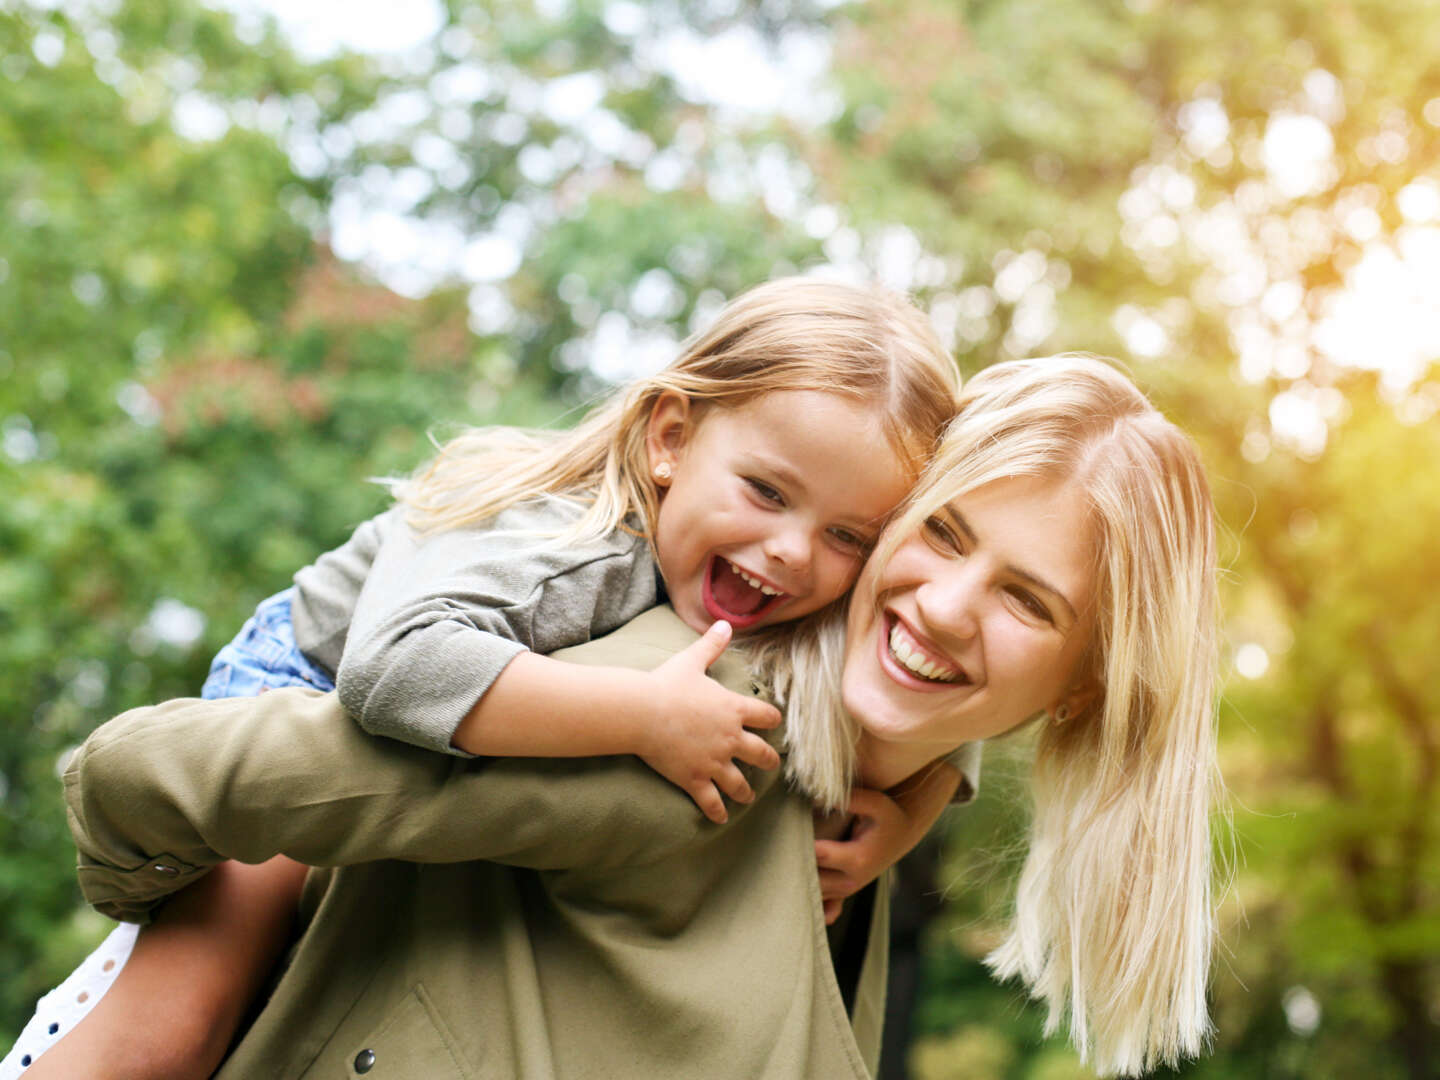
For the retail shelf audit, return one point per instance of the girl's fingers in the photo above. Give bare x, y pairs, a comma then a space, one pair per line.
753, 750
707, 650
758, 714
733, 784
708, 799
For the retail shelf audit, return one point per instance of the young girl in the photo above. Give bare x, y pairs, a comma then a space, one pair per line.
744, 484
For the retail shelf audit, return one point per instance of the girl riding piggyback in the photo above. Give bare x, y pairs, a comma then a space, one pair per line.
744, 484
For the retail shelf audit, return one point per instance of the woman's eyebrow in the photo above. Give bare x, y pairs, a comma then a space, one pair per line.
1019, 571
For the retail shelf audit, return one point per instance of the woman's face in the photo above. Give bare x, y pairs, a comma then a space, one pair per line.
983, 617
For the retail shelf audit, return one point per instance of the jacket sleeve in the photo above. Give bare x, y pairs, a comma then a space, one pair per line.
440, 616
158, 795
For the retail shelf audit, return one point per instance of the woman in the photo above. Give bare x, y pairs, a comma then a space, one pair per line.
1057, 559
1113, 921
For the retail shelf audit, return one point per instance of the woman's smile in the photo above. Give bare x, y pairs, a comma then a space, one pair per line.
915, 661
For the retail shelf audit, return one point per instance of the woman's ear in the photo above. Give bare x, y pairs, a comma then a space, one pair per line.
665, 434
1076, 700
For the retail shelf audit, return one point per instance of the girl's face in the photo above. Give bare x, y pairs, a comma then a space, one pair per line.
771, 506
983, 618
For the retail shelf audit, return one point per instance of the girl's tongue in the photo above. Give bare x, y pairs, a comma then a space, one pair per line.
732, 592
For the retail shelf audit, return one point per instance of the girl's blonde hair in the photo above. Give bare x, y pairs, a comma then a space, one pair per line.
1114, 920
796, 333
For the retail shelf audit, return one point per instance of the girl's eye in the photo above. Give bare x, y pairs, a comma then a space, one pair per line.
941, 536
1032, 604
851, 539
765, 491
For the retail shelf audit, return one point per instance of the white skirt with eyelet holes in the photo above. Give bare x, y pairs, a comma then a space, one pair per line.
62, 1008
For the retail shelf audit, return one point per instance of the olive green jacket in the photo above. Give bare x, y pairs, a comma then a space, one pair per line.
565, 919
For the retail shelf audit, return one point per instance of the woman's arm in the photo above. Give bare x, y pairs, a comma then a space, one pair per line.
884, 827
176, 1004
159, 795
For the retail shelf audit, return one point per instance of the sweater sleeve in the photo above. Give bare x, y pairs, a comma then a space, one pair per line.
441, 615
326, 591
159, 795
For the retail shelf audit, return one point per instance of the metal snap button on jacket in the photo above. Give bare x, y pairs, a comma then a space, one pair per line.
364, 1061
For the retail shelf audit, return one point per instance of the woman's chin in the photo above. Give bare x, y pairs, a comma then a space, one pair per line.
878, 718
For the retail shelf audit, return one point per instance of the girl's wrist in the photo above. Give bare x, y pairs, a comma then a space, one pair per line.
645, 721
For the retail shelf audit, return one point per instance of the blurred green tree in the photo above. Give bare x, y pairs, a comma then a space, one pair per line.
190, 399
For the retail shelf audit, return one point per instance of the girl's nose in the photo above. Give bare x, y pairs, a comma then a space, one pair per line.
790, 548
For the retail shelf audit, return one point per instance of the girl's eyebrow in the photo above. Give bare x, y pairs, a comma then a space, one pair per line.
792, 478
778, 468
1018, 571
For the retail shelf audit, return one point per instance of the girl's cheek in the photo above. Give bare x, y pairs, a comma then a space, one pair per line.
844, 572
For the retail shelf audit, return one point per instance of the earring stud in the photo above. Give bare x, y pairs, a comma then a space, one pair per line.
1061, 714
663, 471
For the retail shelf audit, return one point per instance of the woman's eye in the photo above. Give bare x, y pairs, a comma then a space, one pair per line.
1032, 604
941, 536
765, 491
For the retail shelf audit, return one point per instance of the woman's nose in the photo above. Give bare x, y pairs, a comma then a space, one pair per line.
949, 600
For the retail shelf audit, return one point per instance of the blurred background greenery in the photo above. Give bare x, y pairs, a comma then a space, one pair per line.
246, 265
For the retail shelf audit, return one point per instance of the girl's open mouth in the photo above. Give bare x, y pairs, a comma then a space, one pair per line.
737, 596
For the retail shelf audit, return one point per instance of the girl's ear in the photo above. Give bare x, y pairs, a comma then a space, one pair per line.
665, 434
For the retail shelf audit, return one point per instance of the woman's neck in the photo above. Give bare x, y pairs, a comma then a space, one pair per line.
881, 765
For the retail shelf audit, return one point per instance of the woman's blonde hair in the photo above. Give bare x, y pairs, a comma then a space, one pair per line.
797, 333
1114, 919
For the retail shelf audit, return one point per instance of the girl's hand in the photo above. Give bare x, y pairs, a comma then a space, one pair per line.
884, 828
699, 732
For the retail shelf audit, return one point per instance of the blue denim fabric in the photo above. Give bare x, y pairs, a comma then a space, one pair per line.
264, 656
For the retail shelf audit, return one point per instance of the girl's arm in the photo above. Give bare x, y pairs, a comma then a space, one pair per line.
176, 1004
447, 646
886, 826
681, 723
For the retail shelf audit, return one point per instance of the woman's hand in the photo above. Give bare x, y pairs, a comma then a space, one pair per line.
884, 827
699, 728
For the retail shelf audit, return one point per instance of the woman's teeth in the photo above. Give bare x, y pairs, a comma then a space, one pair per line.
753, 582
908, 652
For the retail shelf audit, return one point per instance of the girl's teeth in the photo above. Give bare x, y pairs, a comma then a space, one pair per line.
753, 582
916, 661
